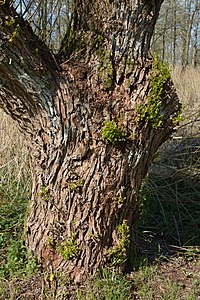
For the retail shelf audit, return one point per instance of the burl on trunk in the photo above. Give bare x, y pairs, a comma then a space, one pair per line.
93, 115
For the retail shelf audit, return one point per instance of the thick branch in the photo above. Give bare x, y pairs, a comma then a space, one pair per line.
27, 69
126, 25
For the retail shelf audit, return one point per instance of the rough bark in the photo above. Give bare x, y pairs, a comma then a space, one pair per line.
85, 206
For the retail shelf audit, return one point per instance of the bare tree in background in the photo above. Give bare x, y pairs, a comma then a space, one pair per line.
49, 19
196, 43
176, 35
93, 114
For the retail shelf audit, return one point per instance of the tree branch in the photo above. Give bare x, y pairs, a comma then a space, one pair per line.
27, 68
128, 25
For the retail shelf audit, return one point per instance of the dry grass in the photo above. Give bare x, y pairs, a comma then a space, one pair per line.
14, 155
187, 83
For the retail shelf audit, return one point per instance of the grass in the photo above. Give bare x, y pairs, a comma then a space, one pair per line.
187, 85
167, 280
174, 200
169, 236
15, 192
172, 189
13, 256
107, 285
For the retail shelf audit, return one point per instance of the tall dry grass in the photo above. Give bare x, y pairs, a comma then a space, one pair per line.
187, 83
14, 155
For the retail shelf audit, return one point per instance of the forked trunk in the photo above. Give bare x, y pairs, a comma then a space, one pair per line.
94, 117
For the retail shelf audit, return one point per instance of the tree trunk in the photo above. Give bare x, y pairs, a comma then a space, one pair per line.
93, 117
174, 32
196, 35
189, 20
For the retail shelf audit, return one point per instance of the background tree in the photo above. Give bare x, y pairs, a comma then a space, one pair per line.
93, 114
196, 35
176, 35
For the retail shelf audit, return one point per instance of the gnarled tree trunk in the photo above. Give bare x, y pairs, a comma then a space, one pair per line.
93, 115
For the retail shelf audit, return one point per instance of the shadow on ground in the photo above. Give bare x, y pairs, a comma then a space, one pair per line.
171, 200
